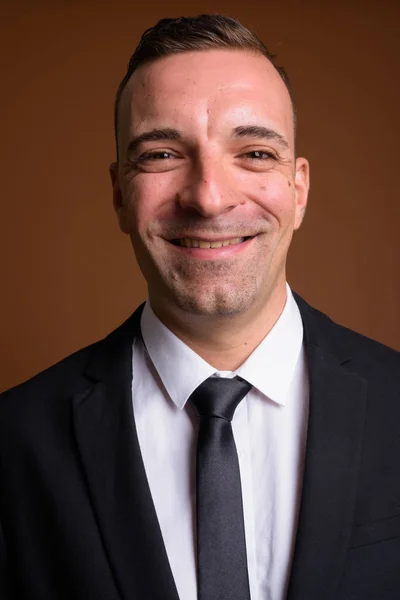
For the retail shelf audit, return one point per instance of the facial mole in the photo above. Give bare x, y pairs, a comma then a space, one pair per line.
289, 183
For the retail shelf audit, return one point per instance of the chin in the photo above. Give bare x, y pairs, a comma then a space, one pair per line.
213, 303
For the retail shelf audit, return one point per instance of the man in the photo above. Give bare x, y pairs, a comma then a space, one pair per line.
228, 441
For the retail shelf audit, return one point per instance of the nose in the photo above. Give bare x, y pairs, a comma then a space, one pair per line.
207, 189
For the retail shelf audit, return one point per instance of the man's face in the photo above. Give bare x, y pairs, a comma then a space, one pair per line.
207, 184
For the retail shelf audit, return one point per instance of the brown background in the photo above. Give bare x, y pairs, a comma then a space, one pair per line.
67, 274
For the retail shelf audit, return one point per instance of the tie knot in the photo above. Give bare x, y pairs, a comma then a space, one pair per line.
219, 396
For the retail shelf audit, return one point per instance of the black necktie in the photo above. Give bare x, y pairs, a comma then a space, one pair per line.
221, 546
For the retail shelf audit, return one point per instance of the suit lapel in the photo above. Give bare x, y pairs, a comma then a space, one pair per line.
112, 462
333, 452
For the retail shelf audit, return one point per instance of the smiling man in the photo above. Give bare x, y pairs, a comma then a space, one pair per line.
228, 442
208, 187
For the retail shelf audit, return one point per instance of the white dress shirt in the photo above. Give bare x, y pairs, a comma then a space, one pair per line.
269, 428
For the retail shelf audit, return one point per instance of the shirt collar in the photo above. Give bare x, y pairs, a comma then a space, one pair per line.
270, 367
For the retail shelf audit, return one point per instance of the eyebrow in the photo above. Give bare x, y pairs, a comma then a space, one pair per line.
254, 131
260, 132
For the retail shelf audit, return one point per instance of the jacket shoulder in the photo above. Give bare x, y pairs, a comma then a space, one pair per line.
59, 379
348, 345
70, 375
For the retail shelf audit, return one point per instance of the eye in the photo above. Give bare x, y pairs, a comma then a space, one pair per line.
259, 155
157, 161
153, 156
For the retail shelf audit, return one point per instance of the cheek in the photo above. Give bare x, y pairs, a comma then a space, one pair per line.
148, 198
276, 197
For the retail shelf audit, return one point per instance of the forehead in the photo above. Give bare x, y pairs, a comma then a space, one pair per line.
205, 91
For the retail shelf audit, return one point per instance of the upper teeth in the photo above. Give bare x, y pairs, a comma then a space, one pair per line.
189, 243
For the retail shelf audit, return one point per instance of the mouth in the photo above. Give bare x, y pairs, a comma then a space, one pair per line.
210, 250
207, 244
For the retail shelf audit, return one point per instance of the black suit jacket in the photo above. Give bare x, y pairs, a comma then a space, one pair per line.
76, 512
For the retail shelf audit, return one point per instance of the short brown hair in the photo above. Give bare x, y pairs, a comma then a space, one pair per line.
186, 34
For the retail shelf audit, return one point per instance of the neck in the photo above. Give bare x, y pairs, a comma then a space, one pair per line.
225, 343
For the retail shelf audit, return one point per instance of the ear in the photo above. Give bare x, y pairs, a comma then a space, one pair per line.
118, 200
301, 185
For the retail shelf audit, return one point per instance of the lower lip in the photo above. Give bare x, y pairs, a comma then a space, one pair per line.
214, 253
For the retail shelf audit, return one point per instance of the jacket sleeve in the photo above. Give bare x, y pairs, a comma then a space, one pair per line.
4, 588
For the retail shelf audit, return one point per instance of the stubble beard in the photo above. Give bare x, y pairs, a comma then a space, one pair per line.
210, 289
